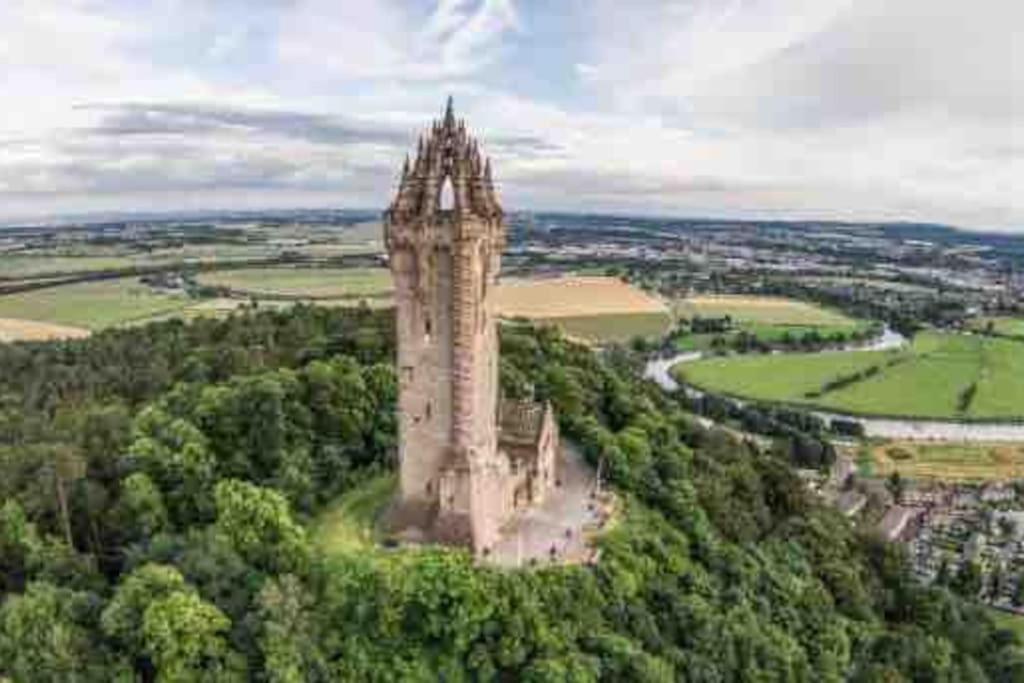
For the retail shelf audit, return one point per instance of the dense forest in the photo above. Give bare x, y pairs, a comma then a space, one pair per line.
157, 484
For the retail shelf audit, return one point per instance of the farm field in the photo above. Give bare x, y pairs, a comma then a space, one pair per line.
17, 266
613, 327
35, 266
1010, 327
592, 308
929, 380
312, 283
781, 377
764, 310
950, 461
91, 305
771, 319
12, 330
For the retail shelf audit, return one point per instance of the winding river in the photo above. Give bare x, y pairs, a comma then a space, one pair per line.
659, 371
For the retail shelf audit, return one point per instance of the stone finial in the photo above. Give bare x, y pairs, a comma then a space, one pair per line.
449, 114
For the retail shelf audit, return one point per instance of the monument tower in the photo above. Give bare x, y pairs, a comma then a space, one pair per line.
445, 232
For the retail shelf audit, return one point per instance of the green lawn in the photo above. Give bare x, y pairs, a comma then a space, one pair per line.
349, 523
93, 305
935, 371
319, 283
612, 327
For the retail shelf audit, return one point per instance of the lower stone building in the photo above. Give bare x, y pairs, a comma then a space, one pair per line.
525, 472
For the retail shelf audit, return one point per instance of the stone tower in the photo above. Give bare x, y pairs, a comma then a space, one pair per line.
445, 232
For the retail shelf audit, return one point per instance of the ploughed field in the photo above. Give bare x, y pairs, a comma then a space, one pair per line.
591, 308
770, 319
941, 376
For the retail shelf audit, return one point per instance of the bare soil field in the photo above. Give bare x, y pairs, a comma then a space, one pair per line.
573, 297
590, 309
13, 329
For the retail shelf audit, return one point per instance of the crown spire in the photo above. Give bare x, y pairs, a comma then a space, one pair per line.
449, 114
447, 152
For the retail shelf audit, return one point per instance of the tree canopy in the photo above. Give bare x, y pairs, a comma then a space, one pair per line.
157, 482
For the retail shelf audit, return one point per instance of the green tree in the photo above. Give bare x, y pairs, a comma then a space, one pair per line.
257, 523
175, 455
969, 580
19, 544
122, 620
185, 638
43, 637
140, 511
289, 641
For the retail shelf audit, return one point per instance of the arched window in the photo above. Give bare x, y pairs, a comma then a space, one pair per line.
447, 194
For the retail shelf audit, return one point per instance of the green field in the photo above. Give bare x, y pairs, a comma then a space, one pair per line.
764, 310
35, 266
782, 377
18, 266
314, 283
1009, 327
925, 381
92, 305
349, 523
769, 319
1012, 622
612, 327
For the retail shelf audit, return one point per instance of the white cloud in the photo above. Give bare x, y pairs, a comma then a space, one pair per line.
806, 108
390, 39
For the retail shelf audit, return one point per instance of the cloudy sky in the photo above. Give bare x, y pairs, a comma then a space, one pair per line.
844, 109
